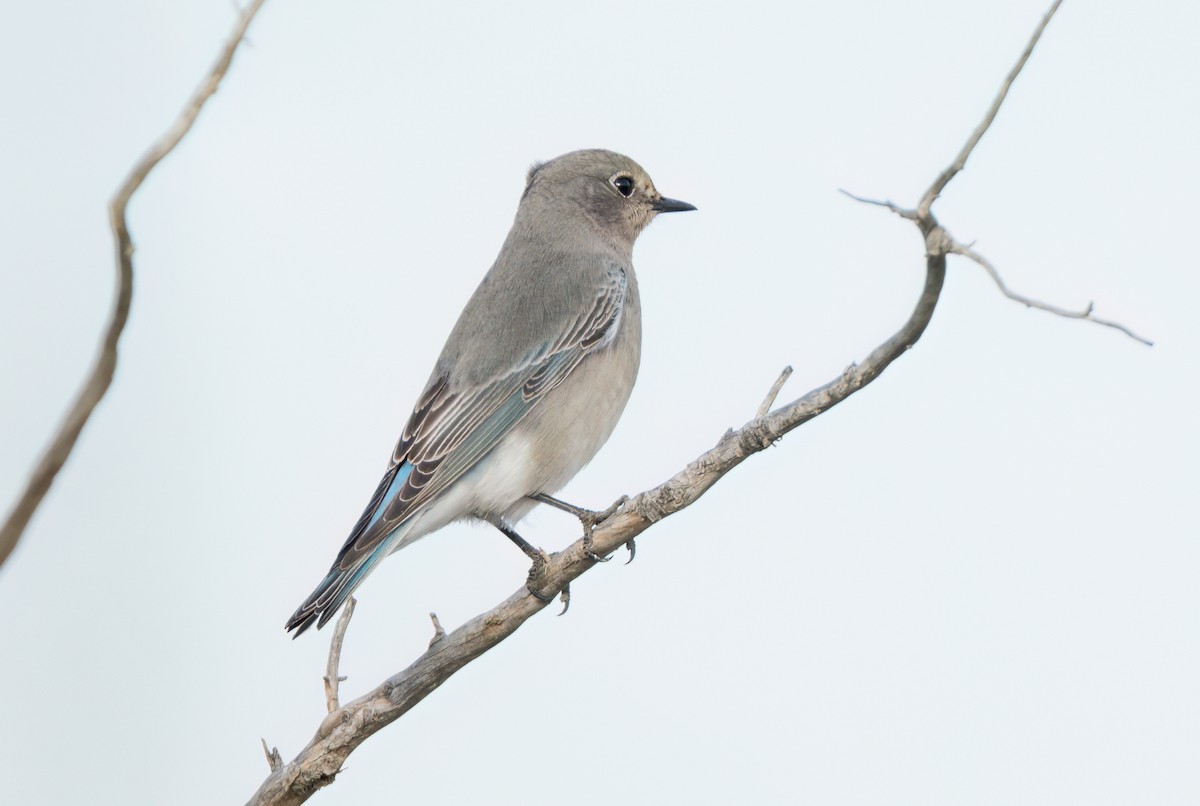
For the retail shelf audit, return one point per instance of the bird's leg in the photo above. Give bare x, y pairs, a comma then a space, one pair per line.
539, 557
587, 517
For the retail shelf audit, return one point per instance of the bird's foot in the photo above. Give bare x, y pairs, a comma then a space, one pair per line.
589, 518
537, 573
587, 547
600, 517
536, 582
632, 550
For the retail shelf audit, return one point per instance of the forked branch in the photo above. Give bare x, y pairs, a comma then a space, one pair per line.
922, 213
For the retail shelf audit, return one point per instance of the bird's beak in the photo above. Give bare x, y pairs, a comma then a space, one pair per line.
665, 205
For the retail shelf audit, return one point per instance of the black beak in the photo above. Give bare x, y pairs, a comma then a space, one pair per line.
665, 205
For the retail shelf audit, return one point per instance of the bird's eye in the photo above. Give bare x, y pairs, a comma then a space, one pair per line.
624, 185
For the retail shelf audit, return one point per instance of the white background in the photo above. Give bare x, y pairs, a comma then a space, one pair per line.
975, 582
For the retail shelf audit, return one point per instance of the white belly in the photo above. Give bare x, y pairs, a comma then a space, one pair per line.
545, 450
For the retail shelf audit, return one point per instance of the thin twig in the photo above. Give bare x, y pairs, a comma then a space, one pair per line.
960, 161
335, 656
1086, 313
776, 387
101, 376
903, 212
950, 246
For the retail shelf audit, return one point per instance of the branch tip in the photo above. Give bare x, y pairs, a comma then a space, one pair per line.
1086, 314
943, 179
903, 212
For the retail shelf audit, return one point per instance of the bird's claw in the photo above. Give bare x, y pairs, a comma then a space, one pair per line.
532, 584
537, 594
535, 576
591, 520
587, 548
632, 546
601, 517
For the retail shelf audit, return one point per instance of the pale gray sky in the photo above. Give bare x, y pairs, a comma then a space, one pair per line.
975, 582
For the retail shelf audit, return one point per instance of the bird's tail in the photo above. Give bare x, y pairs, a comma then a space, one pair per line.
324, 602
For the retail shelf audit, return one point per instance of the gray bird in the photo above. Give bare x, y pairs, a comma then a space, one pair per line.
533, 377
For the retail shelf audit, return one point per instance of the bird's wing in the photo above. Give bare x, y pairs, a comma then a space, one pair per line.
450, 430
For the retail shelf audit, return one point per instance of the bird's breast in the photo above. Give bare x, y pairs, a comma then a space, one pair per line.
578, 416
566, 428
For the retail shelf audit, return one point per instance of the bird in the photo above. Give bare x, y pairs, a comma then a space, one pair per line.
532, 379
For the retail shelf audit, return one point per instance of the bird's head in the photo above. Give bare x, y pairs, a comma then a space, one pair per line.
608, 189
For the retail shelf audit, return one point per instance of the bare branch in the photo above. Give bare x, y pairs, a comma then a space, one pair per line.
951, 246
335, 656
776, 388
960, 161
1086, 313
100, 378
922, 212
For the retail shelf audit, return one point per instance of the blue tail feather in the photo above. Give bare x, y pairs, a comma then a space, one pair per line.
339, 583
